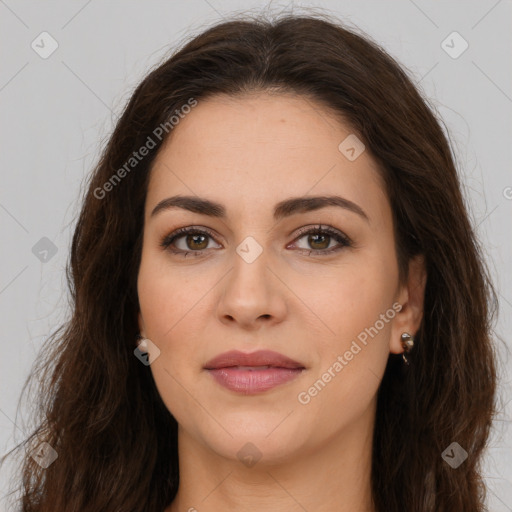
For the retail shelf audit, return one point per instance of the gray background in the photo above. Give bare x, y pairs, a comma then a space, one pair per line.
55, 113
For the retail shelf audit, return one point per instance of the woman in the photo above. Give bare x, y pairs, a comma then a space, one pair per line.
278, 300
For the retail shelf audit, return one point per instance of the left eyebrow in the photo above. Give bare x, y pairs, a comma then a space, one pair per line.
309, 203
282, 209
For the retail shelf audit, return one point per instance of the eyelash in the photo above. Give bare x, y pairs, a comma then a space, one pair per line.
342, 239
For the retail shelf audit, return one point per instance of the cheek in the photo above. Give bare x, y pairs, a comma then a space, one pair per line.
353, 360
352, 297
357, 309
167, 299
167, 295
164, 312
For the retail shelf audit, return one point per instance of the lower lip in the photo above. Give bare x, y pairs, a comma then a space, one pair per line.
251, 382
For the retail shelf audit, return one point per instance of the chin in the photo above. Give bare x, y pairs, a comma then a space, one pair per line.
270, 438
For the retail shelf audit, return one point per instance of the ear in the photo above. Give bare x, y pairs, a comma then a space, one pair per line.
411, 297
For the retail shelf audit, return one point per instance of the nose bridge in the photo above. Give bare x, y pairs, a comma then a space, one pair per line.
250, 263
251, 292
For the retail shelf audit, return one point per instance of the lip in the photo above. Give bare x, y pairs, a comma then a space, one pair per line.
258, 358
253, 373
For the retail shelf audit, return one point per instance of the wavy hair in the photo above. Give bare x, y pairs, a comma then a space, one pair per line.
99, 407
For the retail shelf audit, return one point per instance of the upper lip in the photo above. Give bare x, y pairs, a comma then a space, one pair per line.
258, 358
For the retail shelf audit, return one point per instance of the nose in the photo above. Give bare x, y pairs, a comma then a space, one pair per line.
253, 295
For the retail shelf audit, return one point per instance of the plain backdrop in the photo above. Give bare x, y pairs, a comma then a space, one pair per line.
56, 111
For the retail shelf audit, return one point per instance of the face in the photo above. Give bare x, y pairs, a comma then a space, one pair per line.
312, 280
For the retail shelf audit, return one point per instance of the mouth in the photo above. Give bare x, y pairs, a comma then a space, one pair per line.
253, 373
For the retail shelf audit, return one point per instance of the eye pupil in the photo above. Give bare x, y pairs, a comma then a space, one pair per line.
192, 239
312, 241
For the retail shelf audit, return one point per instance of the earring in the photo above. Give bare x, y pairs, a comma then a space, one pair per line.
407, 344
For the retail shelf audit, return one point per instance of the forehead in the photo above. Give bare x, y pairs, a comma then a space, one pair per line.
260, 148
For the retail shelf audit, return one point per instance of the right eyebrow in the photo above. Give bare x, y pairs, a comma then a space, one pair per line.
191, 203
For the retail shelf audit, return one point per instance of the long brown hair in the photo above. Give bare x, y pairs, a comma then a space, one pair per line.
100, 409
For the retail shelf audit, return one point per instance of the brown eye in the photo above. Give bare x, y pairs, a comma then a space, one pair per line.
196, 242
188, 240
321, 240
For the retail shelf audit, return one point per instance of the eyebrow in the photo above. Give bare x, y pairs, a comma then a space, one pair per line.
282, 209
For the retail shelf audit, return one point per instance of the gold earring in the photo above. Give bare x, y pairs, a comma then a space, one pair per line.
407, 344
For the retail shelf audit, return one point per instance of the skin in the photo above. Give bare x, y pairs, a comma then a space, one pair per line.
249, 153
